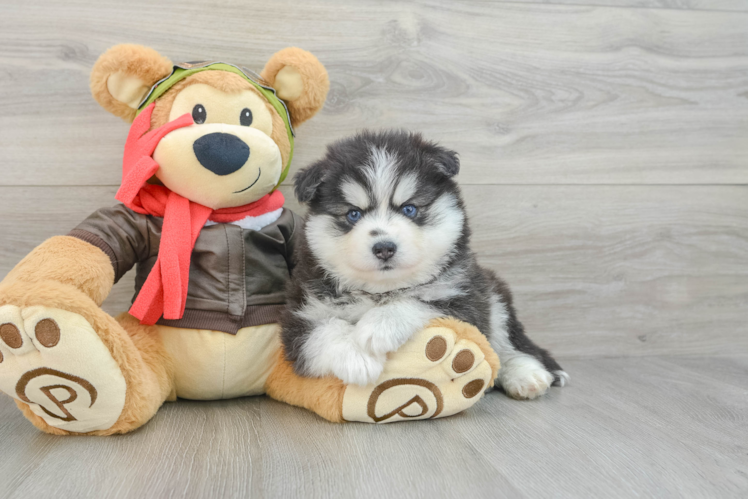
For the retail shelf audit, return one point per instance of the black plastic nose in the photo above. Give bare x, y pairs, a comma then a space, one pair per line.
384, 250
222, 154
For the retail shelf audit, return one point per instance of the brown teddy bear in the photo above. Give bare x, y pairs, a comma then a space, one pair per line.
202, 220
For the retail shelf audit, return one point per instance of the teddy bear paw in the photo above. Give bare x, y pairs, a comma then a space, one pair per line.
435, 374
54, 361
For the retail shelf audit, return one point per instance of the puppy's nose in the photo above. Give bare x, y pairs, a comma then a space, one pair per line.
384, 250
222, 154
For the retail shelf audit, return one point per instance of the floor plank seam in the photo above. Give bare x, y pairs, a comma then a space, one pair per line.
628, 7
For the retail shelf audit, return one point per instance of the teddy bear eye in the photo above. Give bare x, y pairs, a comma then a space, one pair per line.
245, 118
198, 114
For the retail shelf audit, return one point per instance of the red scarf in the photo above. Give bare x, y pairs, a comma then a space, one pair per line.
165, 290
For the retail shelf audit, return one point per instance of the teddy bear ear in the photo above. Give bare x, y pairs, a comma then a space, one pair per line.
300, 80
123, 75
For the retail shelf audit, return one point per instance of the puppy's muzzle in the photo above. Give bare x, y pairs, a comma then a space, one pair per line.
222, 154
384, 250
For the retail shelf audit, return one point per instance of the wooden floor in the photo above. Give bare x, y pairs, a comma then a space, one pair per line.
604, 149
626, 427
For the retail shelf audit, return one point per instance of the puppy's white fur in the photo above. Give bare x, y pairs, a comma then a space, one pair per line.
351, 341
381, 173
332, 349
385, 328
405, 189
355, 194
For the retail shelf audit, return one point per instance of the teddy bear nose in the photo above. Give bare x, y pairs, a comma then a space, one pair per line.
222, 154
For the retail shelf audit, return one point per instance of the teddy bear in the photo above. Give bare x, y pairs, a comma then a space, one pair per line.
202, 221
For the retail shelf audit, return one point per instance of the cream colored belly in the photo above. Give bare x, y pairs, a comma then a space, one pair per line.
217, 365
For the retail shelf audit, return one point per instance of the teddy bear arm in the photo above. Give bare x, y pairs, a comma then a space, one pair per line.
92, 257
67, 260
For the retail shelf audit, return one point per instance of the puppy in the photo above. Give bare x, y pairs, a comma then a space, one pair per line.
385, 249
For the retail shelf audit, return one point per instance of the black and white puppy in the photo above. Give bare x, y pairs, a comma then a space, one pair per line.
385, 249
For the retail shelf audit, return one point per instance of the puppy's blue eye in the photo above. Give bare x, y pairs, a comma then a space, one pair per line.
353, 216
409, 211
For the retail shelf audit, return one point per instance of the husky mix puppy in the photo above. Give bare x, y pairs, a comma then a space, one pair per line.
386, 249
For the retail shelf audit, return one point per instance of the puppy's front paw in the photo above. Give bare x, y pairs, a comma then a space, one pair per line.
359, 368
377, 338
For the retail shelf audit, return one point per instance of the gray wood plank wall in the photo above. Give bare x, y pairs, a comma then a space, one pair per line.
604, 144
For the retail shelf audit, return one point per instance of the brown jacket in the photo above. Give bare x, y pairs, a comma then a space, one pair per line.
237, 276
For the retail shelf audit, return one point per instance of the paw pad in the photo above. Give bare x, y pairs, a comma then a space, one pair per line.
435, 374
472, 389
464, 357
47, 332
11, 335
55, 362
436, 348
463, 361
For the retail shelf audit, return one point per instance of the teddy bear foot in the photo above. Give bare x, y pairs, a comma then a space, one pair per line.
441, 371
54, 361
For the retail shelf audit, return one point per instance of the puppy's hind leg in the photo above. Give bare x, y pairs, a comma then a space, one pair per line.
527, 371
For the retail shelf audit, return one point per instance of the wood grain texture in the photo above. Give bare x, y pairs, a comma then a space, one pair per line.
596, 270
608, 270
526, 93
638, 427
715, 5
605, 169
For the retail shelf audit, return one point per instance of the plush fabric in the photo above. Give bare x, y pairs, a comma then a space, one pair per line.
44, 368
69, 261
316, 83
467, 332
225, 82
165, 290
442, 370
289, 83
213, 365
140, 357
323, 396
141, 63
180, 74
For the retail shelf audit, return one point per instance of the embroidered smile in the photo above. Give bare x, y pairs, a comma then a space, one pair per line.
259, 173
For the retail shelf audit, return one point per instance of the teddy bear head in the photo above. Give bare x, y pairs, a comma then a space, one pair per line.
235, 141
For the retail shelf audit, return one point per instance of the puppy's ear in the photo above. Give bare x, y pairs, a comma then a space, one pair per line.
448, 162
123, 75
300, 80
445, 160
307, 180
